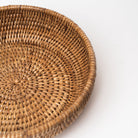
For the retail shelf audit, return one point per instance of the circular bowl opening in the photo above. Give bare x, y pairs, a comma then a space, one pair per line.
47, 70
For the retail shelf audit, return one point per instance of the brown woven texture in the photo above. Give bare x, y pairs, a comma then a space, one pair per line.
47, 72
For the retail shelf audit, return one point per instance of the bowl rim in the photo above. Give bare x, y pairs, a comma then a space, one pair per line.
80, 102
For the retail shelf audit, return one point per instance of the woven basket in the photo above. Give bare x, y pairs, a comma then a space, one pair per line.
47, 72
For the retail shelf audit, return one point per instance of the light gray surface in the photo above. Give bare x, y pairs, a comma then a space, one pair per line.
112, 27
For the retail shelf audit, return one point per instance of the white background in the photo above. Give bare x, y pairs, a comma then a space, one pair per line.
112, 27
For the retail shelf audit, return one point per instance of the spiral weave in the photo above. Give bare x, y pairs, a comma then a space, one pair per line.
47, 71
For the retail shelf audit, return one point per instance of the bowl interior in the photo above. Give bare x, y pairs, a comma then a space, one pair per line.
44, 67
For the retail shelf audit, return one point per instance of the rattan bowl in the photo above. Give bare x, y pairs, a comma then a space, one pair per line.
47, 72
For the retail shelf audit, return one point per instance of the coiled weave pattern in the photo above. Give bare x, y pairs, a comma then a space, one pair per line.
47, 72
